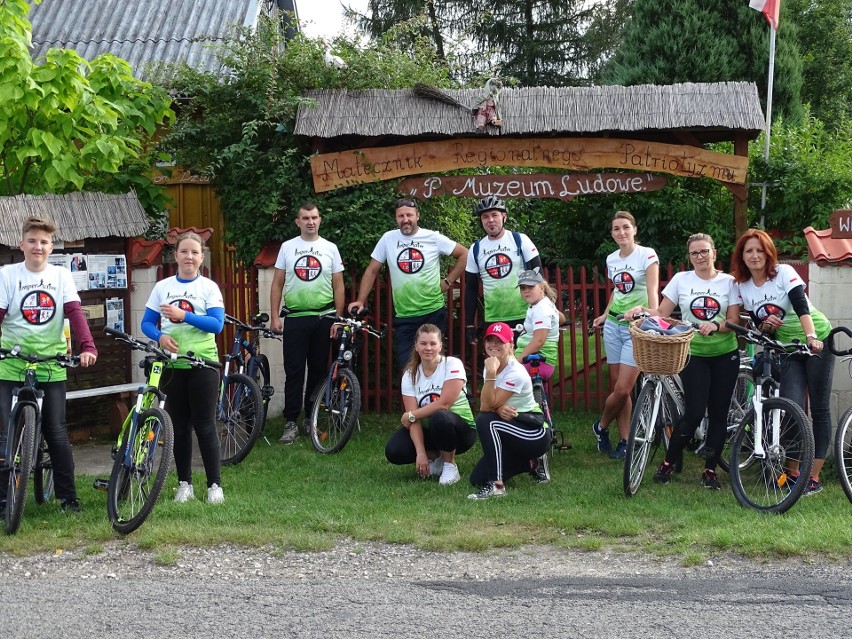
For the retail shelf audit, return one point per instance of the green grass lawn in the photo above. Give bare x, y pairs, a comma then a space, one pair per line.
292, 497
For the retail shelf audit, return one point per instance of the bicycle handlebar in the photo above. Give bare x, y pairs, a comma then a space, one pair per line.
829, 341
63, 359
160, 353
356, 323
756, 337
258, 326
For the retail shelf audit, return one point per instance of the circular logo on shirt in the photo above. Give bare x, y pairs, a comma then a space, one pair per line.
704, 308
308, 268
498, 265
184, 305
623, 282
38, 307
410, 260
769, 309
428, 398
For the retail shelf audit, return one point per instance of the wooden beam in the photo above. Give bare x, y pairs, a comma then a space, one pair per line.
334, 170
741, 198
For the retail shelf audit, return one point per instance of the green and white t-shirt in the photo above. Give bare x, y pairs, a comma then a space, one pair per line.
541, 315
498, 267
773, 299
428, 389
34, 317
197, 297
515, 379
415, 269
627, 275
703, 300
308, 267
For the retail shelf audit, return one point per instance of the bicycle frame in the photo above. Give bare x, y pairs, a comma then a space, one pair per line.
145, 398
33, 396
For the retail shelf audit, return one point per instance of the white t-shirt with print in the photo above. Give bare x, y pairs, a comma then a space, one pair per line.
426, 390
34, 303
498, 266
541, 315
414, 262
628, 278
196, 297
308, 267
515, 379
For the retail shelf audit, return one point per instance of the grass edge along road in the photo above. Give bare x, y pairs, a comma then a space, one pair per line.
292, 497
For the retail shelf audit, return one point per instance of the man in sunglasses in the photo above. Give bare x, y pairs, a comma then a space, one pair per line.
413, 258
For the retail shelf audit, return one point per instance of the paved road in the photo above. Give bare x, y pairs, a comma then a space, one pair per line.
378, 590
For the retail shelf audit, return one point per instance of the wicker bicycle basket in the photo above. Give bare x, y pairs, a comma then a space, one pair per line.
660, 354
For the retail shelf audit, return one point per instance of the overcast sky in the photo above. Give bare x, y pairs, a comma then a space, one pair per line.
324, 18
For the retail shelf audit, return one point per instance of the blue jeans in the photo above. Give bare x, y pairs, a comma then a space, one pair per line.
811, 375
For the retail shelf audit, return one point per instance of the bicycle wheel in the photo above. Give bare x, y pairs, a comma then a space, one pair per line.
763, 483
642, 439
843, 452
740, 404
43, 474
239, 418
23, 438
335, 412
260, 374
138, 474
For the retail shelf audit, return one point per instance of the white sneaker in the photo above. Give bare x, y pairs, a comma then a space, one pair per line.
436, 466
185, 492
215, 494
449, 475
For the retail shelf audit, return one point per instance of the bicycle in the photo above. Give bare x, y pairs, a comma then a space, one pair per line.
843, 436
774, 437
242, 406
337, 400
24, 438
143, 450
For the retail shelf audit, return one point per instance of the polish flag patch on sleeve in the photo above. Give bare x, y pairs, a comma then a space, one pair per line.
510, 383
455, 371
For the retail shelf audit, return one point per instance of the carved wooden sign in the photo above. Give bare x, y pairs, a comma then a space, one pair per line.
333, 170
540, 185
840, 222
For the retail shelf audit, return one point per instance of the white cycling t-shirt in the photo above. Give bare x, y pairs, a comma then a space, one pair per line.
515, 379
498, 266
414, 262
426, 389
628, 277
308, 267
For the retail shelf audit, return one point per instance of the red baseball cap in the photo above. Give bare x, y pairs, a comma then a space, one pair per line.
500, 330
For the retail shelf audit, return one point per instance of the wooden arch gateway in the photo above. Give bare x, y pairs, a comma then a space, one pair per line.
639, 132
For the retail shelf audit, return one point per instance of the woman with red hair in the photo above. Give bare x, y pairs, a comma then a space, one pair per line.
774, 296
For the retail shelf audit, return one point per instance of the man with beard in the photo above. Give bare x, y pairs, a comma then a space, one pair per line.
496, 260
413, 258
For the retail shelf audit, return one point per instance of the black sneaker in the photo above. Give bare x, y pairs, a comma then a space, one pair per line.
814, 486
70, 505
539, 470
709, 480
602, 437
620, 451
664, 473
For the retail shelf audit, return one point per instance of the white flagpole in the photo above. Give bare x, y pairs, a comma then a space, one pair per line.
768, 116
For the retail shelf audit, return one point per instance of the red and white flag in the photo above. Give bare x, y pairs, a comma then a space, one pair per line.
770, 8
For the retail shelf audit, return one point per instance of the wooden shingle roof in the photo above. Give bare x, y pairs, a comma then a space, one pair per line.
77, 215
709, 111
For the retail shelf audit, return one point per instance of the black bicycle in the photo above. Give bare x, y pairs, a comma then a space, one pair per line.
337, 400
843, 435
25, 449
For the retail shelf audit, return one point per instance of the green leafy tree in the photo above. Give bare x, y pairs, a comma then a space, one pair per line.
530, 42
825, 41
670, 41
68, 125
237, 128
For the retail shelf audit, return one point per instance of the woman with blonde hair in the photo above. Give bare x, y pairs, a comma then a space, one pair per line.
438, 422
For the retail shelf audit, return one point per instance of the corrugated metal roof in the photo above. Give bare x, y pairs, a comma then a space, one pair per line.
146, 34
77, 216
721, 106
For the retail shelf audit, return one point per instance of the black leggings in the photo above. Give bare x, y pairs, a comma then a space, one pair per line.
191, 403
708, 384
507, 447
445, 431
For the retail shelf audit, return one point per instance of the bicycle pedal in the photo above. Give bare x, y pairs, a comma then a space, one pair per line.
101, 484
563, 446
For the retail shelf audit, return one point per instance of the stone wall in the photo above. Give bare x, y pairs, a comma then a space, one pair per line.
830, 290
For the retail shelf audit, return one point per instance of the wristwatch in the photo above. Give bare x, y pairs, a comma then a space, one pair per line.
411, 417
811, 336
